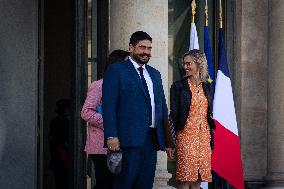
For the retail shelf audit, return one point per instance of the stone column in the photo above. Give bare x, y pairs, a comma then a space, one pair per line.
275, 172
151, 16
250, 87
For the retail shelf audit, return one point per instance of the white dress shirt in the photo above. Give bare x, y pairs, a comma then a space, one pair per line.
149, 85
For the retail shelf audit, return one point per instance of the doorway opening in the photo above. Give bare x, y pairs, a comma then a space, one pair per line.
57, 104
73, 44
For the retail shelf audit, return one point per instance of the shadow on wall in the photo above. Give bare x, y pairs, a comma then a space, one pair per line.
2, 135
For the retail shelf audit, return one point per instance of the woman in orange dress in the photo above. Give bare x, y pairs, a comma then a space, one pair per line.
193, 123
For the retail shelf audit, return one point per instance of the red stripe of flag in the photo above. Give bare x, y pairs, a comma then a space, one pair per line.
226, 160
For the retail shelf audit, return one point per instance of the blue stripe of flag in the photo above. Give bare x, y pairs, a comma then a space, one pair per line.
209, 57
223, 65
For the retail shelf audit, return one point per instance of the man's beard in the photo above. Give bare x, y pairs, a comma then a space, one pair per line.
141, 59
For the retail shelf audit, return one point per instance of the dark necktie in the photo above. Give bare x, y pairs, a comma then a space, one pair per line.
147, 93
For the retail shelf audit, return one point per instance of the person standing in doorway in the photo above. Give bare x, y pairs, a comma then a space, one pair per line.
92, 113
59, 144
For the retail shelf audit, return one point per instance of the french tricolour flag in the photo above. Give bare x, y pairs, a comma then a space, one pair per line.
226, 156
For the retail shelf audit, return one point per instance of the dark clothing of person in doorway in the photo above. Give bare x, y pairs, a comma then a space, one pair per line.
59, 144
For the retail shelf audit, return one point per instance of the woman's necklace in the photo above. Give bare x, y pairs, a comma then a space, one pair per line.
195, 82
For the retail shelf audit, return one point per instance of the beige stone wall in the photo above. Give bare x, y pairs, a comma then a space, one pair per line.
251, 85
275, 175
151, 16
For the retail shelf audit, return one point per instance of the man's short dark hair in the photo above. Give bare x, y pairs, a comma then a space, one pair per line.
139, 36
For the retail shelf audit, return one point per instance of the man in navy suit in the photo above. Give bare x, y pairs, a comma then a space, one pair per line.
134, 108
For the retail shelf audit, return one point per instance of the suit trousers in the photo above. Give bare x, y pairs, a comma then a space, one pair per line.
139, 165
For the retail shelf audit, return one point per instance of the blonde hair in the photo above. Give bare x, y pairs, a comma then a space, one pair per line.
200, 60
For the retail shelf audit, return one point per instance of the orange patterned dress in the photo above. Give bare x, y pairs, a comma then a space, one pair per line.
193, 142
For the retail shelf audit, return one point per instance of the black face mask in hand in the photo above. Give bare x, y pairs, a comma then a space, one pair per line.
114, 161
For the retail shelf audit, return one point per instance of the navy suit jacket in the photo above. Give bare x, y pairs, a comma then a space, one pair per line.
125, 105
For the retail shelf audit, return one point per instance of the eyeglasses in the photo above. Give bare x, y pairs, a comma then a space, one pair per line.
187, 63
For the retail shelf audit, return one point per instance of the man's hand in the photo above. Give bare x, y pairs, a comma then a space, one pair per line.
170, 152
113, 144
